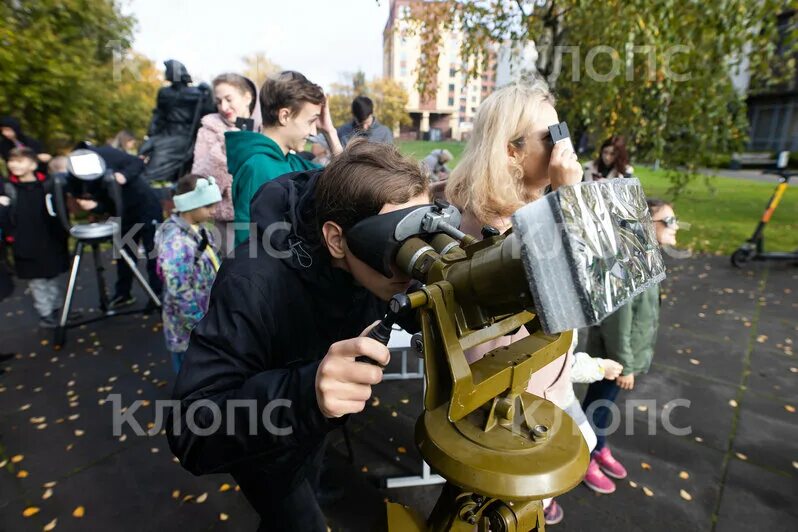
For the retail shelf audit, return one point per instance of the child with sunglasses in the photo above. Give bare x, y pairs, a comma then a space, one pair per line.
627, 336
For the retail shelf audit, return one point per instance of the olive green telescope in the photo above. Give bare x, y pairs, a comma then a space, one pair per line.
571, 259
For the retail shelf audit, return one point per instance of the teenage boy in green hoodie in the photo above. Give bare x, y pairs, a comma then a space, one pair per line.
293, 109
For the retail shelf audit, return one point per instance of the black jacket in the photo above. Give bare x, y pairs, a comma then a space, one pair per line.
269, 323
174, 125
40, 242
140, 203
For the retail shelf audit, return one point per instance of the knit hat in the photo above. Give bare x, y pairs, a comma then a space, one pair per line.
205, 193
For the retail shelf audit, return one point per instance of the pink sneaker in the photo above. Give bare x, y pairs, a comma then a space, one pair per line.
596, 480
553, 513
609, 464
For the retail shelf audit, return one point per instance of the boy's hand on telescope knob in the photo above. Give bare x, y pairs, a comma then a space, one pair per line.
5, 201
625, 382
564, 167
120, 178
86, 204
343, 385
612, 369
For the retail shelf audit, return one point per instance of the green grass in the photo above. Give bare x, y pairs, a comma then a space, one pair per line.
720, 219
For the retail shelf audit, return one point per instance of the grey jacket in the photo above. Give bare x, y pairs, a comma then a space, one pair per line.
376, 133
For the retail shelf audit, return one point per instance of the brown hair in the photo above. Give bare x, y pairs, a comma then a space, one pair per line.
26, 153
187, 183
655, 204
621, 155
242, 84
288, 90
362, 179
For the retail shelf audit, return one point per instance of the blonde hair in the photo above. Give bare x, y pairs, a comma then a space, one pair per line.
487, 182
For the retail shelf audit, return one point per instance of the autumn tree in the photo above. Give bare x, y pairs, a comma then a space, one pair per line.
67, 73
258, 67
657, 71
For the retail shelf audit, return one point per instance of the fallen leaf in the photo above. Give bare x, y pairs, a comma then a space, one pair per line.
642, 408
762, 338
30, 511
794, 370
795, 465
394, 414
3, 464
79, 512
123, 437
224, 487
70, 446
401, 450
789, 408
741, 456
733, 403
24, 407
73, 417
22, 474
154, 450
375, 401
17, 458
645, 466
223, 517
50, 526
47, 494
176, 494
699, 439
633, 483
695, 362
50, 484
686, 496
202, 498
365, 469
684, 475
648, 492
404, 401
79, 433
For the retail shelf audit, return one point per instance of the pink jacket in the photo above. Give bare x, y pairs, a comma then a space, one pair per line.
210, 158
552, 381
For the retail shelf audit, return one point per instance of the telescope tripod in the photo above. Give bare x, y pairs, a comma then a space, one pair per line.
92, 235
502, 450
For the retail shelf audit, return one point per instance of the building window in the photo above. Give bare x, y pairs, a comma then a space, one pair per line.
451, 101
452, 72
403, 71
451, 87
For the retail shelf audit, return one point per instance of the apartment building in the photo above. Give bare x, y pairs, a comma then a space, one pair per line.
450, 112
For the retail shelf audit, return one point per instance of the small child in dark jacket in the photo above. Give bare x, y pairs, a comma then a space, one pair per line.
40, 242
627, 336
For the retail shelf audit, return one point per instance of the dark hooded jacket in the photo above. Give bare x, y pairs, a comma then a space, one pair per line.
7, 145
140, 203
270, 321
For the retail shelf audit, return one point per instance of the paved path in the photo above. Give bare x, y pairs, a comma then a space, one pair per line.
726, 345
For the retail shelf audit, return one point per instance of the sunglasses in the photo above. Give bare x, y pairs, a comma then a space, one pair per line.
670, 221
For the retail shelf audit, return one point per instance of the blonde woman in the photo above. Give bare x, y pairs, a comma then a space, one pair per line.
508, 162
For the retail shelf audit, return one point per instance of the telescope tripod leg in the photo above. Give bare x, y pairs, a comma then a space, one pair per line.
99, 269
60, 331
139, 277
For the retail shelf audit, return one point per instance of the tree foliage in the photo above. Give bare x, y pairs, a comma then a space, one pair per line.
258, 67
656, 71
67, 73
389, 97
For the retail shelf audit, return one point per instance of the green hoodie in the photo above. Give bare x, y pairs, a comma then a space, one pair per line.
254, 159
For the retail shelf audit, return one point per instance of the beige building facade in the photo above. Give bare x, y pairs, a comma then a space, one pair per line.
450, 113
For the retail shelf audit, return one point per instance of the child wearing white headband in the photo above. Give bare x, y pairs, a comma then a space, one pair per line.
187, 260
